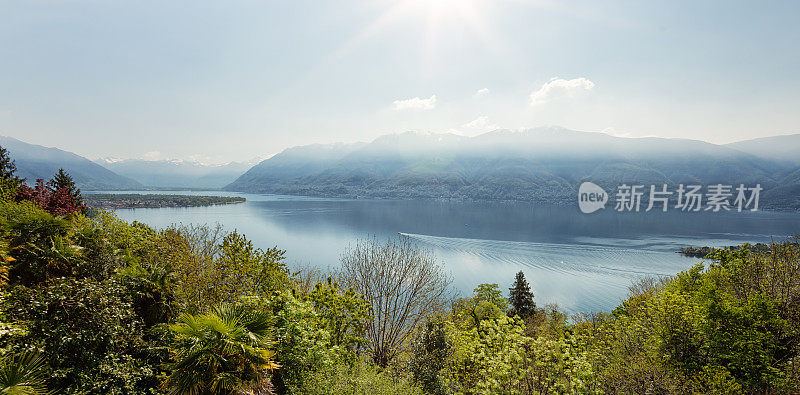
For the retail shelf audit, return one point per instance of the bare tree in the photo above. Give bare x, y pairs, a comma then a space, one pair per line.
403, 283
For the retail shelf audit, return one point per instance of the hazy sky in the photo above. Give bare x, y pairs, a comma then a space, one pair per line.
230, 80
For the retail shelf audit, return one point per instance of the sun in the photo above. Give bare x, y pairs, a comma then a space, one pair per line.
438, 16
441, 20
440, 23
440, 12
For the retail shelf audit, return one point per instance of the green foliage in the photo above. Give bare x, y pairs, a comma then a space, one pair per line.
134, 250
487, 358
729, 327
39, 243
486, 303
44, 247
490, 293
213, 267
65, 293
360, 378
244, 269
134, 241
225, 351
23, 374
152, 293
88, 332
560, 366
547, 322
492, 353
7, 166
6, 260
303, 344
343, 313
705, 322
93, 296
431, 352
8, 187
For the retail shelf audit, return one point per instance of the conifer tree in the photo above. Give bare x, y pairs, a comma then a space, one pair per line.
521, 298
7, 166
62, 179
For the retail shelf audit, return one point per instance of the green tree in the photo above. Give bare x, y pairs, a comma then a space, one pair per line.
560, 366
228, 350
344, 314
7, 166
487, 302
521, 298
489, 357
431, 353
303, 344
62, 180
8, 182
212, 266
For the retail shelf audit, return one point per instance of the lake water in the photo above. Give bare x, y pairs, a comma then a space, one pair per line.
581, 262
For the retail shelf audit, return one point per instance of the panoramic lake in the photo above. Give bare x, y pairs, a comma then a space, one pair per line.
581, 262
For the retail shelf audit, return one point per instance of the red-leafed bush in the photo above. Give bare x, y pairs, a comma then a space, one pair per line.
58, 202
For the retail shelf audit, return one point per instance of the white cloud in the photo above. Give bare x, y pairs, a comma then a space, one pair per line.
481, 92
481, 123
558, 88
415, 104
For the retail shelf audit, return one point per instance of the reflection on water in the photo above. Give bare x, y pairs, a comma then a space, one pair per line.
582, 262
577, 277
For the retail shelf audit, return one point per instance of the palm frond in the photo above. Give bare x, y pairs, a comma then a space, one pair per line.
225, 350
23, 374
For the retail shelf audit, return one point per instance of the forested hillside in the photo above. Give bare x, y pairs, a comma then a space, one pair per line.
541, 165
37, 162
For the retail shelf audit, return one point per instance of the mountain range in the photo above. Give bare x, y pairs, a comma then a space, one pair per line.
35, 161
541, 165
177, 173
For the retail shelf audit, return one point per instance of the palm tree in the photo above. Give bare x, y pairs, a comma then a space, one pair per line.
225, 351
23, 374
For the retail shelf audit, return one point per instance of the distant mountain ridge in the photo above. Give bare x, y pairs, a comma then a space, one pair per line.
784, 148
177, 173
36, 161
541, 165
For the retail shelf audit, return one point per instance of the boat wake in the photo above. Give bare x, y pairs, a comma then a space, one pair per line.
595, 277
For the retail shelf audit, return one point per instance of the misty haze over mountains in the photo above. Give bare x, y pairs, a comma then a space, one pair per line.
177, 173
541, 165
35, 162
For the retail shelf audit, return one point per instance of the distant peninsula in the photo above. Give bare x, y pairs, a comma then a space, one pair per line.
705, 252
121, 201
